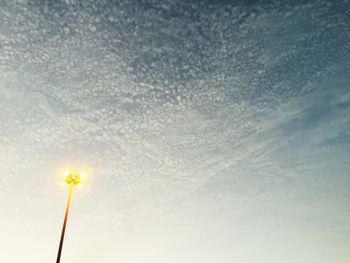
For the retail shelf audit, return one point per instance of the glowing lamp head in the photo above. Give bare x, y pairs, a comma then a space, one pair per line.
72, 178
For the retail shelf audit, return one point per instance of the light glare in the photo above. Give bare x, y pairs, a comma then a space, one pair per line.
71, 178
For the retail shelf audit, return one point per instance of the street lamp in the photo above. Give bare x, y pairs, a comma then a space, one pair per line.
71, 179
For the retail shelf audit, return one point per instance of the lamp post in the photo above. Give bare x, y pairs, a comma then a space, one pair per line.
71, 179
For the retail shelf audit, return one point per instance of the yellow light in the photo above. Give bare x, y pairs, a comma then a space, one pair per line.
72, 178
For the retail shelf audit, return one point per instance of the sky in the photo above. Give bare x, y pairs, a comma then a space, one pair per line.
211, 131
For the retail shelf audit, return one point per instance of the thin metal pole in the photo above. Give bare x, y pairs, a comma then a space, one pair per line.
64, 224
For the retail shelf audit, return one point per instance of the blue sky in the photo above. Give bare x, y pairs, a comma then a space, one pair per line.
213, 131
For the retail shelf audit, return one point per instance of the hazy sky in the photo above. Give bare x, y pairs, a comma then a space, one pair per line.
213, 131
